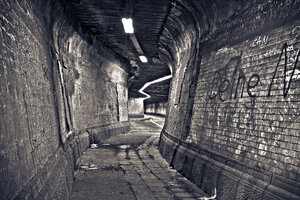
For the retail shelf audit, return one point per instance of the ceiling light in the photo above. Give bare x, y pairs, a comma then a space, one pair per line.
127, 24
143, 59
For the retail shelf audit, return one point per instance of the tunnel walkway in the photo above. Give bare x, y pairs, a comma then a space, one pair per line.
129, 167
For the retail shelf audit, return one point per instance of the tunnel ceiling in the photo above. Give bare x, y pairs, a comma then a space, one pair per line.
159, 92
103, 20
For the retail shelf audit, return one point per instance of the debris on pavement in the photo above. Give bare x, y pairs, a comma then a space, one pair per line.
94, 145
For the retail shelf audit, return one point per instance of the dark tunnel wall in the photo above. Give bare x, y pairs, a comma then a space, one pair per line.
29, 125
51, 105
233, 111
156, 108
136, 107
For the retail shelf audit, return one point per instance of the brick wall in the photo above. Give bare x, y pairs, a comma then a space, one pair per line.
29, 127
95, 82
247, 101
233, 115
179, 104
58, 92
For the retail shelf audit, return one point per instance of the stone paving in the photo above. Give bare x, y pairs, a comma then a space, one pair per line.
129, 167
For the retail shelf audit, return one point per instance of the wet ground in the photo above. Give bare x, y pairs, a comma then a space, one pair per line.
130, 167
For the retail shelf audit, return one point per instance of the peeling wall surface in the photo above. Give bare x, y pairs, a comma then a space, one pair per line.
236, 78
59, 90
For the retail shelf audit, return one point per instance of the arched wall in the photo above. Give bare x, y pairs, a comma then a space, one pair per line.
94, 82
236, 78
60, 91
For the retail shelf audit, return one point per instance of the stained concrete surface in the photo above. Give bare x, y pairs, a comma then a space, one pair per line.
129, 167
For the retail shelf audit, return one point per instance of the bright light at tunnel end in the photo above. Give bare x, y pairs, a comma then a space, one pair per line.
143, 59
127, 24
152, 82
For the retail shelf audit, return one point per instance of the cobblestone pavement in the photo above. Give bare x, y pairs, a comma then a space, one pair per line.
129, 167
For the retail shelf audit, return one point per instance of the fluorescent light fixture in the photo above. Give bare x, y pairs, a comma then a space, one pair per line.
143, 59
127, 24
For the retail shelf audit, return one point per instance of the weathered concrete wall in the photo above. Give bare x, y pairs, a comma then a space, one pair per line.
29, 125
55, 99
136, 107
156, 108
95, 83
236, 78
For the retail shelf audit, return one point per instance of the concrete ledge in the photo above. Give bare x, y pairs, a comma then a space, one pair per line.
97, 134
233, 179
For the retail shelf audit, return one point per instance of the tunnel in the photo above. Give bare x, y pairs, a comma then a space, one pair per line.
208, 90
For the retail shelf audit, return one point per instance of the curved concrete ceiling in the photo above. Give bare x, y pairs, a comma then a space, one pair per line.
103, 20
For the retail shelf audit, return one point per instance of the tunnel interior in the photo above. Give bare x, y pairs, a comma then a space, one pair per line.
225, 75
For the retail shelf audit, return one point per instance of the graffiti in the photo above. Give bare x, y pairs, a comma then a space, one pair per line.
269, 53
295, 34
274, 125
259, 41
223, 87
220, 83
286, 86
291, 54
228, 87
226, 50
246, 104
250, 86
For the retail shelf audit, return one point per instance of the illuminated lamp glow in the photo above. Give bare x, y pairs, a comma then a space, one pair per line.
127, 24
143, 59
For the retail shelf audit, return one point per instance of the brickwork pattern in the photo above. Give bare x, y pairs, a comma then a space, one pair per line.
47, 93
245, 99
247, 102
29, 129
230, 178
